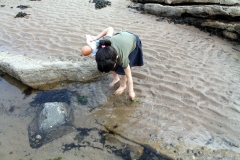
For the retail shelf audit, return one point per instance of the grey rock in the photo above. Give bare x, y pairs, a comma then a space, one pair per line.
149, 1
230, 27
137, 6
196, 11
52, 122
224, 18
230, 35
223, 2
41, 73
53, 115
164, 11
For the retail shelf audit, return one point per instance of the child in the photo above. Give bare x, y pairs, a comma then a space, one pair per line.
91, 47
118, 53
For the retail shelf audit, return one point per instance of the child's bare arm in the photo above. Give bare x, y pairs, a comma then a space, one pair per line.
106, 32
130, 82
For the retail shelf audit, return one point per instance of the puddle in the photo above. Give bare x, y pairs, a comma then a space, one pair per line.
27, 104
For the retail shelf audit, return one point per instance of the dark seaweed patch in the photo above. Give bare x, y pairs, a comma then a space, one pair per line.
12, 108
23, 6
28, 91
82, 100
149, 154
21, 15
51, 96
83, 132
101, 3
67, 147
124, 152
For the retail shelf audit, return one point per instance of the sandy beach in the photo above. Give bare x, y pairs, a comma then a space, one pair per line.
188, 89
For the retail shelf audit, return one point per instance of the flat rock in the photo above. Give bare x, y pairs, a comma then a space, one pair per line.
202, 11
39, 74
221, 19
223, 2
53, 115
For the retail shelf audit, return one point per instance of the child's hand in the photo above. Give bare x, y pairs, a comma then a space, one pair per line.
93, 38
132, 95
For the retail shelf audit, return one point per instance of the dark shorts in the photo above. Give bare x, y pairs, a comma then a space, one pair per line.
135, 57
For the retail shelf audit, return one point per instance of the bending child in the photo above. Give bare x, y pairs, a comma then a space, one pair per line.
118, 53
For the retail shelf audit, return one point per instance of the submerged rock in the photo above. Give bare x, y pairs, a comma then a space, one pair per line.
52, 122
52, 115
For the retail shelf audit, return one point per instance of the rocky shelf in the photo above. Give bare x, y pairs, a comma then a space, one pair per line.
220, 17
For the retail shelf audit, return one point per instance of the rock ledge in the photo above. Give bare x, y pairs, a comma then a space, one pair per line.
40, 74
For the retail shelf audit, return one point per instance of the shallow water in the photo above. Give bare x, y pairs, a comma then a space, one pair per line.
21, 105
188, 90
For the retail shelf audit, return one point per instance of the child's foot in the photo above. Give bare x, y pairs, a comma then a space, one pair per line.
114, 82
120, 90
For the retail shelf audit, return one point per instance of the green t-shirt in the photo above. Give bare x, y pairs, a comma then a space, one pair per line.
124, 43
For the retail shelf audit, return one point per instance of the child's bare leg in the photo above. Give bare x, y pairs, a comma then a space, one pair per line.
122, 85
115, 79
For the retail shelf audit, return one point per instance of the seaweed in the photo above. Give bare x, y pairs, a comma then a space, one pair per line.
101, 3
21, 15
51, 96
23, 6
82, 100
136, 101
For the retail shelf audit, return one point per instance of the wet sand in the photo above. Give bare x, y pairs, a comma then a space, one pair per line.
187, 91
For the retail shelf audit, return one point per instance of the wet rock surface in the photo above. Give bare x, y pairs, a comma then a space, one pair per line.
67, 115
223, 16
50, 123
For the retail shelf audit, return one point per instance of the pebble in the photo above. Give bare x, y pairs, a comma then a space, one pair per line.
38, 137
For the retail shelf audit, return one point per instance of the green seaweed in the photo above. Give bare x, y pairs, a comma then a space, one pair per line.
82, 100
136, 101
